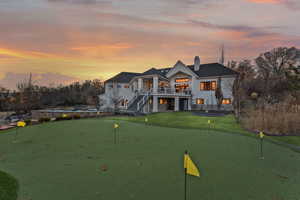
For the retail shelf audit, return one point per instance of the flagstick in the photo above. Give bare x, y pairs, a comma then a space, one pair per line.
115, 136
185, 177
261, 149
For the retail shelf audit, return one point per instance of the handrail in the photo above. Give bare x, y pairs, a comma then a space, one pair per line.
172, 91
133, 99
143, 100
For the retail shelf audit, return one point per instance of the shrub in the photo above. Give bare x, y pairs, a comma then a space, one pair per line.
277, 119
68, 118
59, 118
63, 117
44, 119
27, 121
76, 116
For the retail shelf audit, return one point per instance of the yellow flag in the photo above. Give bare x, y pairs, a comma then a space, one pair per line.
208, 121
261, 135
116, 125
146, 119
21, 124
190, 167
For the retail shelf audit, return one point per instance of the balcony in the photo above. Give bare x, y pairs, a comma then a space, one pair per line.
168, 92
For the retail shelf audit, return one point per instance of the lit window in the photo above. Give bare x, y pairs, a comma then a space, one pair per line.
126, 86
163, 101
208, 85
213, 85
199, 101
182, 80
226, 101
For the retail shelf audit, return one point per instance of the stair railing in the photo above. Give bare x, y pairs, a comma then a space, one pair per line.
143, 101
133, 99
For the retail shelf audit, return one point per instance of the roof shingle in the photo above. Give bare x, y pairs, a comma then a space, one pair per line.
123, 77
206, 70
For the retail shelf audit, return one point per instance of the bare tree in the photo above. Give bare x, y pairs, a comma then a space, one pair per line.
219, 93
28, 98
277, 61
273, 68
242, 84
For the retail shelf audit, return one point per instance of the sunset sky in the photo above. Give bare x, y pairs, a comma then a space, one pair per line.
61, 41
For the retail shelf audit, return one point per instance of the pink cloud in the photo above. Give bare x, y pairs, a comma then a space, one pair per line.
267, 1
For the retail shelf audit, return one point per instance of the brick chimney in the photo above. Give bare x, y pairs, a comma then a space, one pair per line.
196, 63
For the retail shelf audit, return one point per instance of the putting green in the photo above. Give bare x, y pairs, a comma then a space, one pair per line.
77, 160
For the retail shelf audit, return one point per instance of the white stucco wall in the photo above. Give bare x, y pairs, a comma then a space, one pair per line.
209, 96
118, 91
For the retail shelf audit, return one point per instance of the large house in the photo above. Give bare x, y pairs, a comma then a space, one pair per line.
179, 88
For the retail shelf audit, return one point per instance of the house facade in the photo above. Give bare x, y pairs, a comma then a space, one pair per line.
179, 88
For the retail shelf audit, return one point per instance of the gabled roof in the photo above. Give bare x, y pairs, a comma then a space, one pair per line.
154, 71
206, 70
213, 69
123, 77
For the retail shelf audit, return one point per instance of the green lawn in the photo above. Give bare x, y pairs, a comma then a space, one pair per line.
65, 160
8, 187
187, 120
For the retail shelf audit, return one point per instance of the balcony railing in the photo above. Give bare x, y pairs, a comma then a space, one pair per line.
168, 91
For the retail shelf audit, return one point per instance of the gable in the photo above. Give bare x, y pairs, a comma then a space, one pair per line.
179, 67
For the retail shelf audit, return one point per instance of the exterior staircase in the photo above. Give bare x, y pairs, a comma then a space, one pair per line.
138, 103
133, 105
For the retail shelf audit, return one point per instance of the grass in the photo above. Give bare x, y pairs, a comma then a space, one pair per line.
8, 187
187, 120
78, 160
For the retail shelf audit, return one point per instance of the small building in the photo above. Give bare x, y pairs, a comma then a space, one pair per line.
179, 88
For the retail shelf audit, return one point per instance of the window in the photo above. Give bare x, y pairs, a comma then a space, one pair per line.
126, 86
182, 80
199, 101
110, 85
181, 87
119, 86
163, 101
208, 85
226, 101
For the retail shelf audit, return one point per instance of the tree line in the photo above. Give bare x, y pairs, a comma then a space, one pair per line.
29, 96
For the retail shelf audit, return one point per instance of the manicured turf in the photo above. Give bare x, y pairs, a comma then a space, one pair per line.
8, 187
188, 120
77, 160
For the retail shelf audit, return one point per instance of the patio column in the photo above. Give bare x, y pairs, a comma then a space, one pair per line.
140, 84
155, 104
155, 84
176, 104
189, 103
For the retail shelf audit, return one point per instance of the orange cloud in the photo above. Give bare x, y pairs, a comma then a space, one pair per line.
102, 50
26, 54
234, 35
